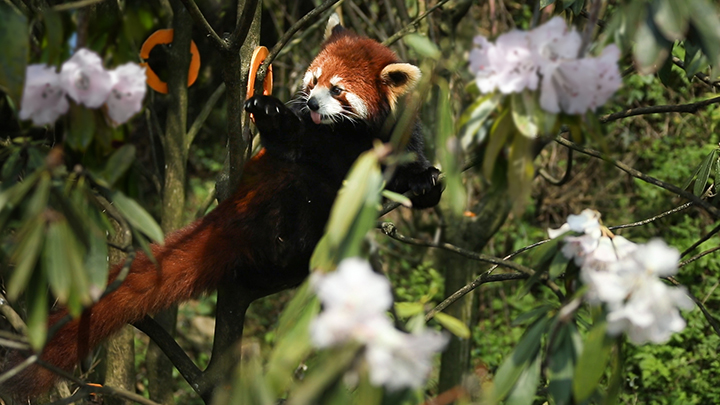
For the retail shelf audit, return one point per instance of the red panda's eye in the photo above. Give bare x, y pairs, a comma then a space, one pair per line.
335, 91
314, 80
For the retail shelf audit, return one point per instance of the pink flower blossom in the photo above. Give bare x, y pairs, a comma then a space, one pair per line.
126, 96
85, 79
43, 98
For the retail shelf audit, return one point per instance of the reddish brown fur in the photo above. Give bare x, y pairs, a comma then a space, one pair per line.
357, 59
191, 261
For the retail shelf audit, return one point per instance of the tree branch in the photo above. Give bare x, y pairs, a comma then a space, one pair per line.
413, 24
656, 217
700, 241
660, 109
712, 210
390, 230
306, 20
201, 22
711, 319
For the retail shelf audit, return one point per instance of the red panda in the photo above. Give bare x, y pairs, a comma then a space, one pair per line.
264, 235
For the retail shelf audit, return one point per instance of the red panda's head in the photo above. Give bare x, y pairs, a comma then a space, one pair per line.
354, 78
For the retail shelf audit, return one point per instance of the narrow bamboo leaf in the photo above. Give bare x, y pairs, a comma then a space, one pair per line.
397, 197
533, 314
453, 325
408, 309
448, 151
422, 45
558, 265
96, 264
704, 173
37, 301
523, 113
118, 163
521, 171
523, 393
695, 61
513, 366
13, 52
11, 167
57, 262
474, 117
497, 138
25, 256
137, 216
592, 362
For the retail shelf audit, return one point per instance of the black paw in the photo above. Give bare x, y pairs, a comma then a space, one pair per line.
426, 187
268, 112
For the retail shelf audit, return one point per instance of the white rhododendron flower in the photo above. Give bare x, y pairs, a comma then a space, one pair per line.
624, 277
85, 79
355, 301
43, 98
128, 92
398, 360
548, 54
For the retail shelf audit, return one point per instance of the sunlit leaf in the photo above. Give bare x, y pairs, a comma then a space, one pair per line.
448, 151
397, 197
408, 309
25, 255
704, 172
499, 134
423, 46
671, 18
453, 325
651, 46
137, 216
474, 117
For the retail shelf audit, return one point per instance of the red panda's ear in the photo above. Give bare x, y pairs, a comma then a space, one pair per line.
400, 79
334, 26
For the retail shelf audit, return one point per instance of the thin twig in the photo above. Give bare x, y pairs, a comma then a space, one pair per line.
97, 389
484, 278
413, 25
243, 22
9, 313
700, 75
75, 4
660, 109
18, 368
698, 256
565, 178
305, 21
390, 230
701, 241
712, 210
656, 217
201, 22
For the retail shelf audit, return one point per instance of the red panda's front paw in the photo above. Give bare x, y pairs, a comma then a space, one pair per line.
269, 113
427, 188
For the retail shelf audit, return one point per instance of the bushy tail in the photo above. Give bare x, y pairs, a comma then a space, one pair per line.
188, 264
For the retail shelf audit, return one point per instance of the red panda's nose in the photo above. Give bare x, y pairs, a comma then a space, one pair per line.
313, 104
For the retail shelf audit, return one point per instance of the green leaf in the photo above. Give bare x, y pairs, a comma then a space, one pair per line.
561, 365
520, 358
118, 163
520, 172
325, 374
53, 35
474, 117
671, 18
408, 309
545, 3
423, 46
533, 314
523, 393
694, 61
705, 20
57, 262
453, 325
651, 47
523, 113
591, 364
137, 216
499, 134
13, 52
448, 151
704, 173
37, 302
25, 255
82, 127
397, 197
558, 265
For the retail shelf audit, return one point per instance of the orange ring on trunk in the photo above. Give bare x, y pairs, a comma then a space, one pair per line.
258, 57
165, 36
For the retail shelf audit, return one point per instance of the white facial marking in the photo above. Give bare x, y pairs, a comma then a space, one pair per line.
317, 73
328, 106
335, 80
307, 78
357, 105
